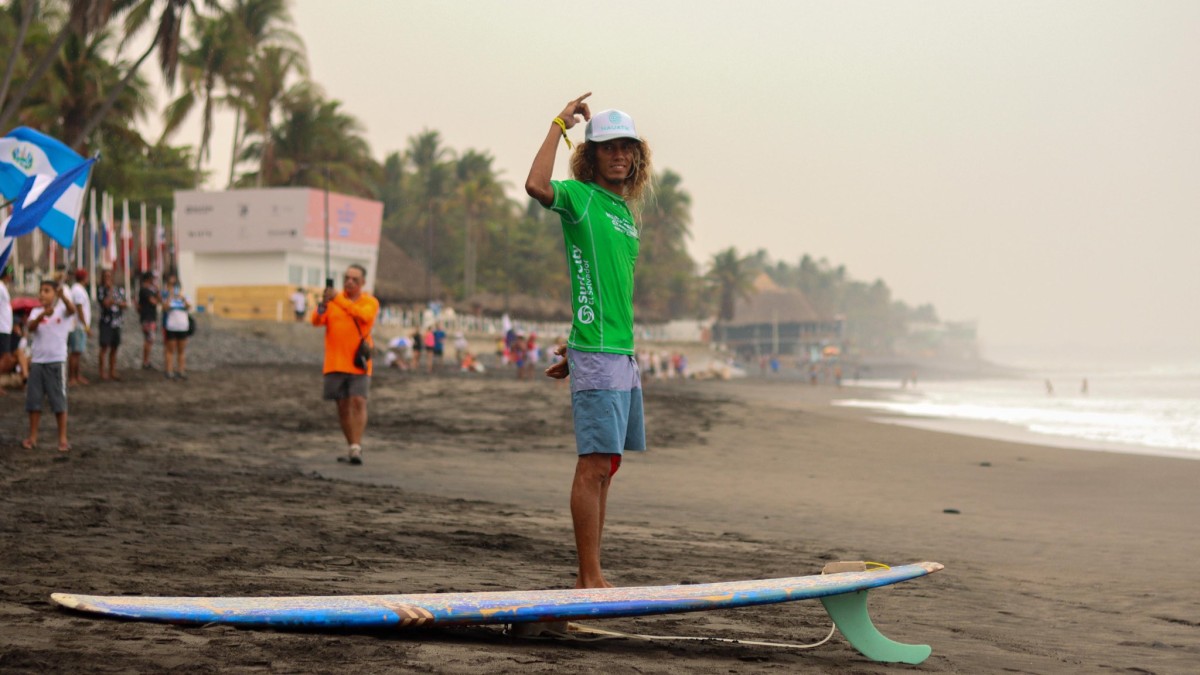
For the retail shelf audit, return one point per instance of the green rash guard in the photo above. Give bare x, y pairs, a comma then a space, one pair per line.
602, 250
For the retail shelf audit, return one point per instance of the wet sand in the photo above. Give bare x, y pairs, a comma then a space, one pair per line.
1057, 560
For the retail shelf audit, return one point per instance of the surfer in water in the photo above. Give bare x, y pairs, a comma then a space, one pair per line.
611, 168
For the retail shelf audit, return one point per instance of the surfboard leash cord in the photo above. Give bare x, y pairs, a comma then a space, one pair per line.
601, 634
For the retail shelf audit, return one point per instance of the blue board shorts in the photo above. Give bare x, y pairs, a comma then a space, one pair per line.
77, 341
606, 403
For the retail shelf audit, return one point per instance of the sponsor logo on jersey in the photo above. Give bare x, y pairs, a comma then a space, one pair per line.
586, 297
623, 226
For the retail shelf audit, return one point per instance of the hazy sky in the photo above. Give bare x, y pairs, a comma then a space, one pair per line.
1034, 166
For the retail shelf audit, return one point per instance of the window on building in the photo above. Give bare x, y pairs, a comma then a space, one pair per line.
314, 277
296, 275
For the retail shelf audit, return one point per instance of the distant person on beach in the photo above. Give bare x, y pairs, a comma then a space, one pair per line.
112, 303
439, 345
348, 318
49, 326
148, 302
610, 168
1083, 389
1049, 388
77, 342
300, 303
177, 326
418, 344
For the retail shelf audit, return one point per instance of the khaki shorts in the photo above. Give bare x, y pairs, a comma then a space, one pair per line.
345, 385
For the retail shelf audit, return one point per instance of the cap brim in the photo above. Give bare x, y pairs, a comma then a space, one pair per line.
613, 137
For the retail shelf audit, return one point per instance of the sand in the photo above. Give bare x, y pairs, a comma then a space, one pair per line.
1057, 560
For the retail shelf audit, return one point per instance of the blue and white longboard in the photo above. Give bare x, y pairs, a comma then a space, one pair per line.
844, 597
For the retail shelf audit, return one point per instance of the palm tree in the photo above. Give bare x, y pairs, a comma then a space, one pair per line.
272, 52
730, 275
262, 90
666, 271
83, 18
75, 88
432, 178
317, 145
479, 192
167, 40
25, 10
209, 60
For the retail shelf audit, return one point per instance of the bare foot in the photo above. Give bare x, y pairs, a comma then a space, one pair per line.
29, 443
64, 447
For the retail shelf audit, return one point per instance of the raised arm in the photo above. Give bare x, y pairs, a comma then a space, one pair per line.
537, 185
66, 298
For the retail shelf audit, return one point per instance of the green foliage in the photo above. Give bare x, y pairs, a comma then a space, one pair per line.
874, 321
731, 277
64, 72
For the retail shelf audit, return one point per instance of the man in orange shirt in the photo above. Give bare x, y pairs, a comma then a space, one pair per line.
348, 318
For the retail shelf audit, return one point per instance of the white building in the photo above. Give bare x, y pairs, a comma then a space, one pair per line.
242, 253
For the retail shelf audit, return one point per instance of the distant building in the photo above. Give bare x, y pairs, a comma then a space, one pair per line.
780, 321
242, 253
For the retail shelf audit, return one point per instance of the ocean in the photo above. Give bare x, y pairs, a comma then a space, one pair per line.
1153, 411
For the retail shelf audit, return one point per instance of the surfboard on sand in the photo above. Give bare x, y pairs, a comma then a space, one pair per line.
844, 596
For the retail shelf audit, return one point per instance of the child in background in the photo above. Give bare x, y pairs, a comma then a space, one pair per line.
48, 327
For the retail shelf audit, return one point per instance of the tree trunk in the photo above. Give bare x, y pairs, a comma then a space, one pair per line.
43, 65
11, 66
111, 99
237, 128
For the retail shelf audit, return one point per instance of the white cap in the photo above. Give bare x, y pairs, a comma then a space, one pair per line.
609, 124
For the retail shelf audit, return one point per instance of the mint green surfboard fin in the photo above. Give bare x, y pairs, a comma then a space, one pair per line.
849, 613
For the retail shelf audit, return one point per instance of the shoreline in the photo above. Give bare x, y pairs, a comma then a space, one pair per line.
229, 488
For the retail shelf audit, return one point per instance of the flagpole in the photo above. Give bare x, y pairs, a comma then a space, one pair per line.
160, 242
90, 242
144, 258
125, 234
143, 254
159, 227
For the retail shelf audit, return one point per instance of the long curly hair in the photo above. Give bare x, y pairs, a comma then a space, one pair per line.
583, 168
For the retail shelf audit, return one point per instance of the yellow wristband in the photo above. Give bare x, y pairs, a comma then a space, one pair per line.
563, 125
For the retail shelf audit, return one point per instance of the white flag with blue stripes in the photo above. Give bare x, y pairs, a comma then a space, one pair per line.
25, 153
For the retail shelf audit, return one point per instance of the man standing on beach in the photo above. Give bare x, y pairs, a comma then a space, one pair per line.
148, 301
112, 305
611, 166
348, 318
300, 303
83, 326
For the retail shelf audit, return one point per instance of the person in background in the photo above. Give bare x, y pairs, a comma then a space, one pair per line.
300, 303
460, 347
610, 168
439, 344
418, 345
177, 324
77, 342
8, 341
48, 327
348, 318
112, 307
148, 302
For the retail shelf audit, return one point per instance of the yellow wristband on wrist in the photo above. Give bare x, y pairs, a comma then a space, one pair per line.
563, 125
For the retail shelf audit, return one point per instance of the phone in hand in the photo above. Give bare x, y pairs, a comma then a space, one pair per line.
328, 282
